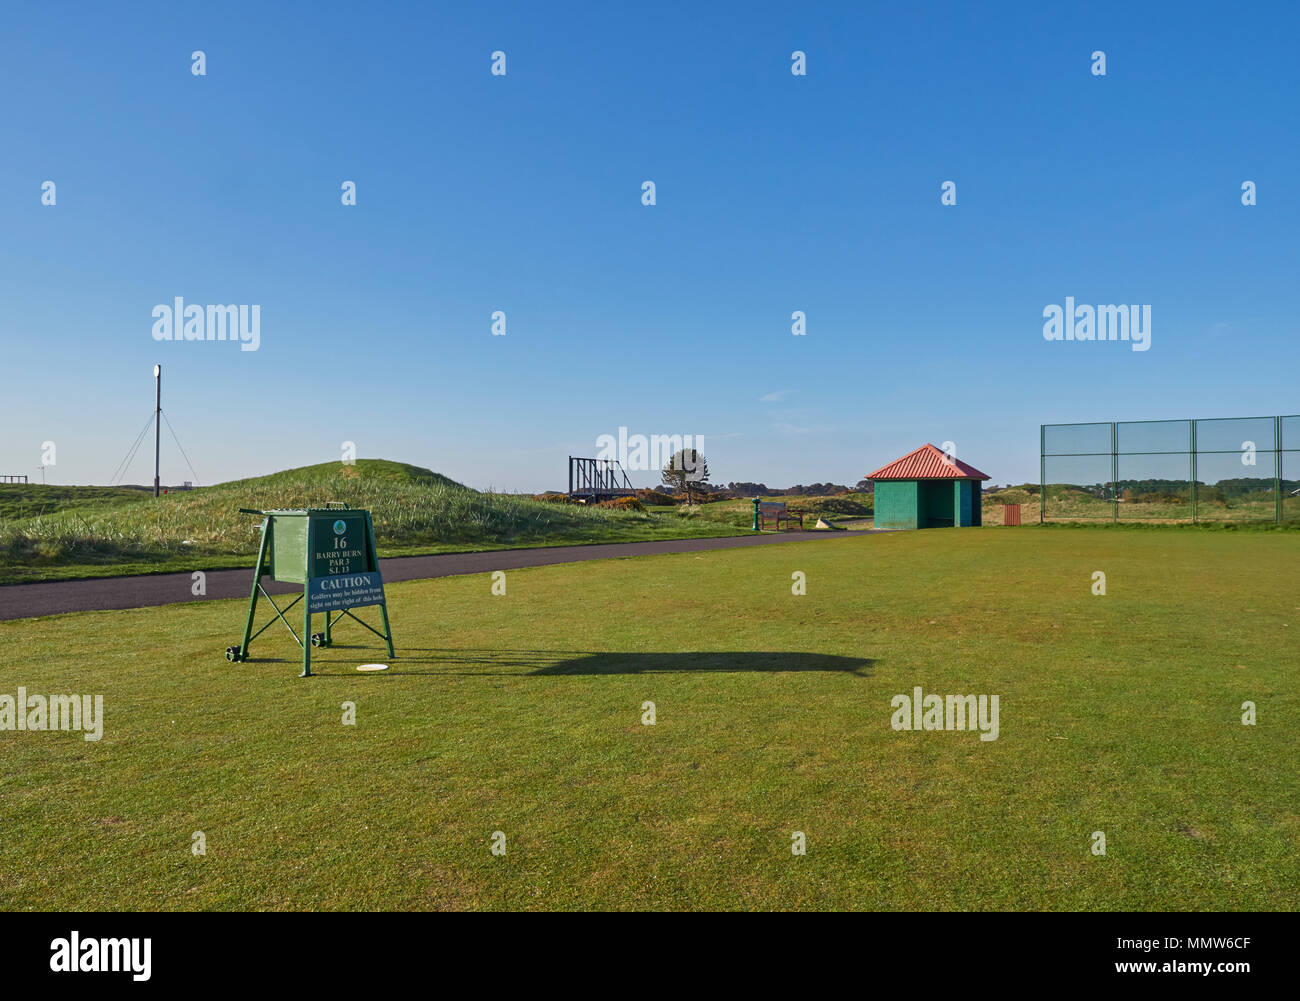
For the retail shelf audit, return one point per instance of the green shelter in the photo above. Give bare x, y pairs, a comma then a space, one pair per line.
927, 489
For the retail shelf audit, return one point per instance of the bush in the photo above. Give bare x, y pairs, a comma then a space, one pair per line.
834, 505
657, 497
622, 504
1012, 495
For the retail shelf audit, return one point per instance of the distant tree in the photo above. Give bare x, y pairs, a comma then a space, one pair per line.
816, 490
687, 471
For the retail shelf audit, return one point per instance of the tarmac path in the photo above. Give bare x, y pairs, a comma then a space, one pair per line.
21, 601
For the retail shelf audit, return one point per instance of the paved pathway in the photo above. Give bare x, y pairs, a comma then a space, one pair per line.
20, 601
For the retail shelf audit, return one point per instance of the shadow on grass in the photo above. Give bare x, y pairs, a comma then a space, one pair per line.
728, 662
554, 663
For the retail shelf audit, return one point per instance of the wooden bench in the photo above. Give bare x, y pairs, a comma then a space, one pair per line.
776, 511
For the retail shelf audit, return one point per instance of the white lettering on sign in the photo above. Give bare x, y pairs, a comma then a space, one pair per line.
339, 561
337, 582
345, 591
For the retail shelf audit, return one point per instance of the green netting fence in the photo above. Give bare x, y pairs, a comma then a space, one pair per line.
1225, 469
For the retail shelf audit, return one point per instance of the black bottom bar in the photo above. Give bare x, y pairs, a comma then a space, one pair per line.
914, 952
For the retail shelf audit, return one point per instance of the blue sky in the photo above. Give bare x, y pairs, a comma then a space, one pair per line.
522, 193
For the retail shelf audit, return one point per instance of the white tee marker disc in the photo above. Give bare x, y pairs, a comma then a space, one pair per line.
372, 667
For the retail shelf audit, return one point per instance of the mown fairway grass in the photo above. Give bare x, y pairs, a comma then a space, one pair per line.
522, 714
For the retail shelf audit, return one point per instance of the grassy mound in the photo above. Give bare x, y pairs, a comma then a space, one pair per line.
414, 510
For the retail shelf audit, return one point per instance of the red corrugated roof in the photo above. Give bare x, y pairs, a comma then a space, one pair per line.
927, 463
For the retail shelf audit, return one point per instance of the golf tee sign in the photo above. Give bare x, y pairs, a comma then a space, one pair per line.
331, 552
344, 571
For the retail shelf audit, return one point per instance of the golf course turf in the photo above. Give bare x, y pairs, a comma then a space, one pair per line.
1119, 713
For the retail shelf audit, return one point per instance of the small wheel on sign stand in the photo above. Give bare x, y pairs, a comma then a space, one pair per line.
232, 654
318, 639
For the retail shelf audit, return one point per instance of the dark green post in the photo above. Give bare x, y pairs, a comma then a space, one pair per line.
1042, 473
756, 502
306, 602
1192, 424
1277, 470
1114, 471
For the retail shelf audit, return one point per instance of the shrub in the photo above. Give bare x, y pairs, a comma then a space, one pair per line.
834, 505
623, 504
1012, 495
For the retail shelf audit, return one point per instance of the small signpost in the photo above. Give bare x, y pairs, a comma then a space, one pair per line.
329, 551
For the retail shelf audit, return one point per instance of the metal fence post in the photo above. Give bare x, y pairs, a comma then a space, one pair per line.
1042, 473
1277, 470
1114, 471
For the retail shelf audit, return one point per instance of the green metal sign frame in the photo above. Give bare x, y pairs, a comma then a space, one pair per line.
331, 552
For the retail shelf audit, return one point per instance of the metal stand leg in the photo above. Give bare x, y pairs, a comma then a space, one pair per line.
252, 598
383, 608
306, 640
388, 630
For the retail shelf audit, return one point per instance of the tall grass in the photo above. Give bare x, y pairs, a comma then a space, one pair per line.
1065, 503
408, 505
27, 500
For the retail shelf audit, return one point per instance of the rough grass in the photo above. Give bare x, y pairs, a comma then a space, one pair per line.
30, 500
414, 510
1066, 504
739, 513
522, 714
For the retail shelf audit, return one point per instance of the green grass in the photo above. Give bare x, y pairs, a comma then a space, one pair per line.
1066, 503
415, 511
30, 500
522, 714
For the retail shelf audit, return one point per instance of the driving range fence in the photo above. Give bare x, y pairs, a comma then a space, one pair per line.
1227, 469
